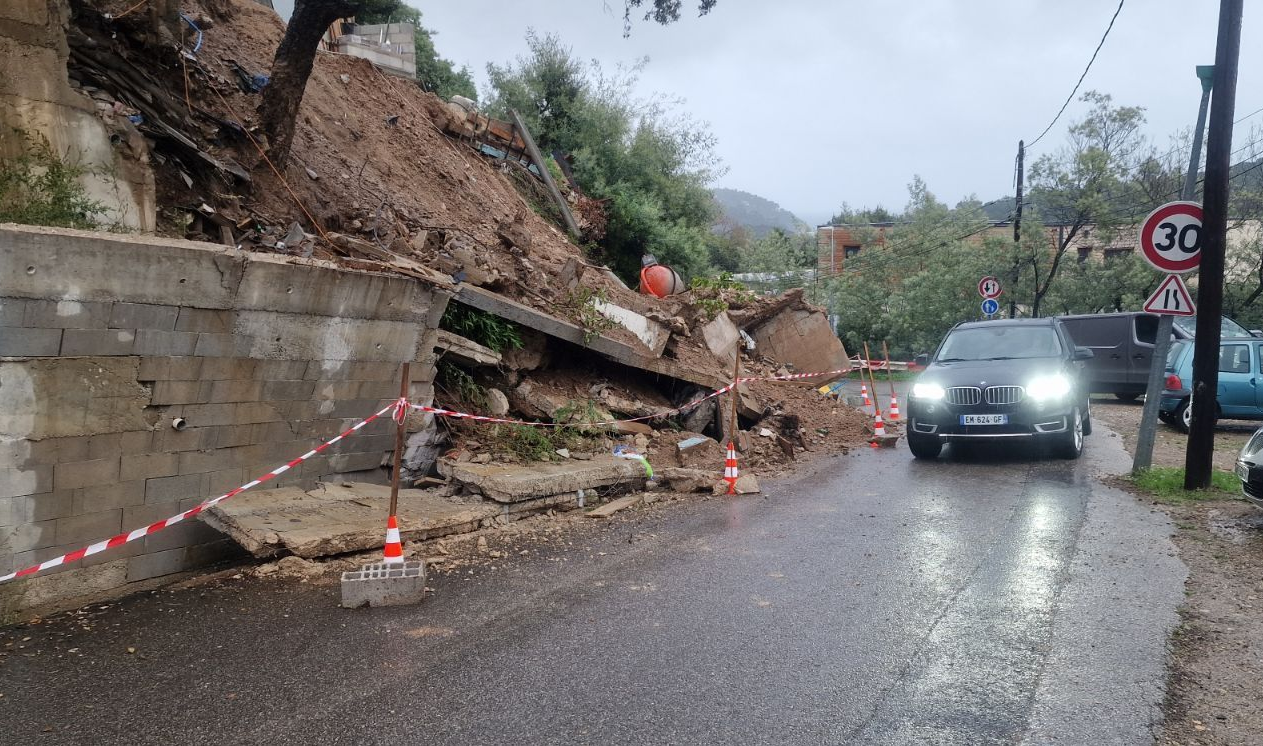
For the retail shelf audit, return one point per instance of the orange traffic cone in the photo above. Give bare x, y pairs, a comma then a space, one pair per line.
730, 469
394, 548
864, 393
879, 430
894, 408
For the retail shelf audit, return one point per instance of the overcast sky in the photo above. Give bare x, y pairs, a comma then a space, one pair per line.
818, 102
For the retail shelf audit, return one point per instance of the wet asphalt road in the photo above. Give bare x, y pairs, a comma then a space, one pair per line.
989, 599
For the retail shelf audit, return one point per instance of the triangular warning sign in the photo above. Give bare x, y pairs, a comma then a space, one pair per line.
1171, 298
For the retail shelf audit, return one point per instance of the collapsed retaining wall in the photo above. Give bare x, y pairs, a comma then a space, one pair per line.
107, 340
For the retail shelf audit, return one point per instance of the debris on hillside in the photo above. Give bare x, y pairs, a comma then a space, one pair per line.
386, 176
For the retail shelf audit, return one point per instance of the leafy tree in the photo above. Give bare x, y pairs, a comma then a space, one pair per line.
848, 216
779, 251
1075, 187
647, 160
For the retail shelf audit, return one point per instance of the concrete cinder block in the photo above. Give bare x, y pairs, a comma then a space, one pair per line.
215, 345
236, 391
168, 344
21, 342
75, 474
185, 533
213, 321
344, 462
379, 584
26, 537
168, 440
86, 342
233, 436
46, 506
141, 466
109, 496
226, 368
11, 511
280, 370
274, 390
143, 316
162, 368
180, 392
66, 314
167, 489
156, 564
11, 311
202, 462
225, 480
89, 527
16, 481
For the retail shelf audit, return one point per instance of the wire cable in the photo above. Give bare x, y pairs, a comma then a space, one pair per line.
1081, 77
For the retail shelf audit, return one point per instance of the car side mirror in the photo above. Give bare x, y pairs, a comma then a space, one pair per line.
1083, 353
922, 360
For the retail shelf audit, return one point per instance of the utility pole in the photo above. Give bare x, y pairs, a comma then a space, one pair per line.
1210, 284
1143, 458
1017, 226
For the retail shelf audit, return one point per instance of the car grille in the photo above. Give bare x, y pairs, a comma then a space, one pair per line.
1005, 394
965, 396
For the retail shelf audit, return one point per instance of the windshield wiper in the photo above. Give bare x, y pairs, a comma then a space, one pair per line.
952, 360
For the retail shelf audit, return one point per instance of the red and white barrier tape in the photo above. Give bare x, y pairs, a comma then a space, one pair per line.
397, 410
157, 526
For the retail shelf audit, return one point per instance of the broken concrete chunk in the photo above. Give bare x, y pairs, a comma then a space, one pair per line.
509, 484
746, 484
699, 452
634, 428
722, 338
497, 403
688, 480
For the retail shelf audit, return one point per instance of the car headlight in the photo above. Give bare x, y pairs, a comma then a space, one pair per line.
928, 391
1254, 445
1048, 387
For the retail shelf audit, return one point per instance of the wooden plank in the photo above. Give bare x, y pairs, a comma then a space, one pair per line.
538, 159
612, 507
485, 300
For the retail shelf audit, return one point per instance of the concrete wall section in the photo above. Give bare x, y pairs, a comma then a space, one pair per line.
107, 340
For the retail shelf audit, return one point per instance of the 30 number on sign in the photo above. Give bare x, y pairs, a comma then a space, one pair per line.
1179, 237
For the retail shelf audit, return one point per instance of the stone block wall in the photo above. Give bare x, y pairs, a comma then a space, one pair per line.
108, 342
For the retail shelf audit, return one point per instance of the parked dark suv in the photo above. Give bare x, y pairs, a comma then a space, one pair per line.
1010, 378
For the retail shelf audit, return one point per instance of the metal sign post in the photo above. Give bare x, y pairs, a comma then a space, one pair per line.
1170, 240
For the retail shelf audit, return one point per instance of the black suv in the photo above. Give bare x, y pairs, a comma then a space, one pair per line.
1010, 378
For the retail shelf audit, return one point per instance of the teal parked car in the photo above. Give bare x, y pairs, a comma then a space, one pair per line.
1240, 393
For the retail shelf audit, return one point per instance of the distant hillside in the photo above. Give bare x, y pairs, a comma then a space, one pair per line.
754, 213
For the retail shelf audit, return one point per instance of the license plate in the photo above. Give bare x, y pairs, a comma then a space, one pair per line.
984, 419
1243, 472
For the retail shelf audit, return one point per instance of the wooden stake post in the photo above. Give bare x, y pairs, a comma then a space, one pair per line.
736, 375
399, 433
890, 373
872, 382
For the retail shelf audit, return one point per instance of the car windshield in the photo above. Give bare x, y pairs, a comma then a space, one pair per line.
1000, 343
1227, 327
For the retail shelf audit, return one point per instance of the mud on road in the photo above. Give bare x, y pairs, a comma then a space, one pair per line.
1217, 651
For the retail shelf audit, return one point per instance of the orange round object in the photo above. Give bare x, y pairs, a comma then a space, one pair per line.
660, 281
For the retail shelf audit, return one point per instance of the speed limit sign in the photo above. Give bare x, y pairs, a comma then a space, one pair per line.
1171, 237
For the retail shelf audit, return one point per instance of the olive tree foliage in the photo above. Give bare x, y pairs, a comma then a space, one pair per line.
644, 156
1077, 187
661, 11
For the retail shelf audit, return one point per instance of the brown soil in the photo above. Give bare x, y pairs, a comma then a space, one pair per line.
1217, 652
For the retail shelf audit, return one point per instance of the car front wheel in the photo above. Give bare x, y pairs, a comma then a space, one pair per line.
1070, 445
1183, 418
924, 446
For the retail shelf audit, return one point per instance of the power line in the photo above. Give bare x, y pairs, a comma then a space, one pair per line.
1081, 77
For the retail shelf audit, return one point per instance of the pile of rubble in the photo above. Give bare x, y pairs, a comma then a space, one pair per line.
377, 182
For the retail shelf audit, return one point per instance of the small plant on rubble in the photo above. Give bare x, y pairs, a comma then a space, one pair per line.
526, 442
714, 295
582, 306
460, 385
484, 328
